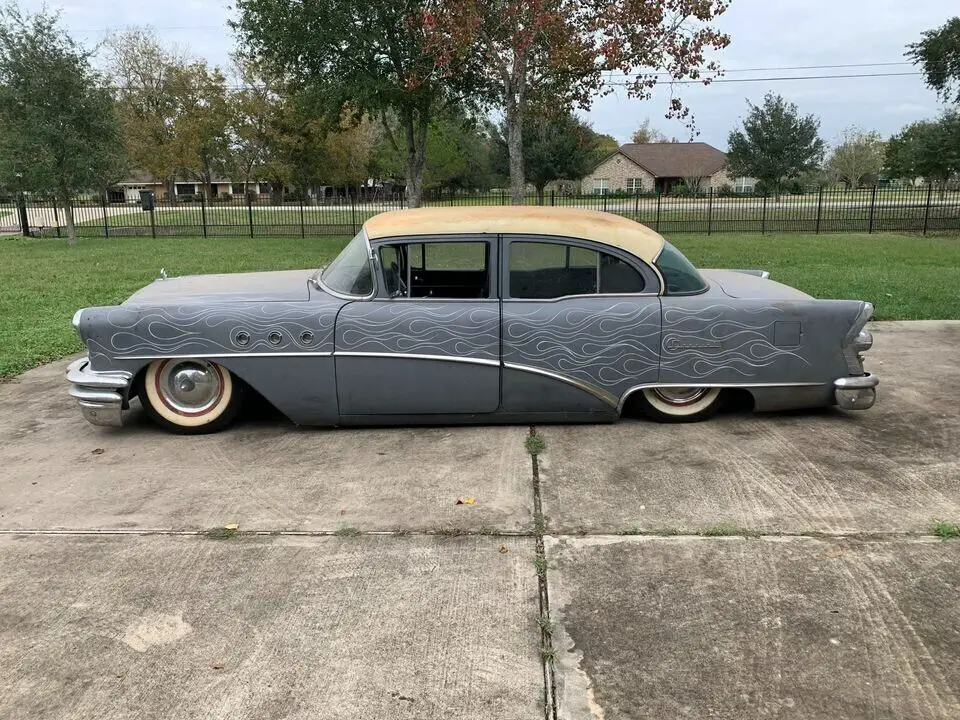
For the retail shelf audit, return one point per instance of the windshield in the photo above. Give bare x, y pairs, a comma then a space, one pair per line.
350, 273
679, 274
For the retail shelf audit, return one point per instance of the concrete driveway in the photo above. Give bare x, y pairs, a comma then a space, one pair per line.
749, 567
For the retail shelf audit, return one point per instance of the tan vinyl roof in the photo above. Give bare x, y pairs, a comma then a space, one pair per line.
601, 227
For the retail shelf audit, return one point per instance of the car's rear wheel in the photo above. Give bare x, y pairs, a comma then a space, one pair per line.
681, 404
190, 395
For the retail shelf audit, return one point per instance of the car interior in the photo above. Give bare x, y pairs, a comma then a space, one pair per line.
538, 270
458, 270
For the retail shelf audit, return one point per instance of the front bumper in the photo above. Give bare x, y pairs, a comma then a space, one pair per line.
857, 392
101, 395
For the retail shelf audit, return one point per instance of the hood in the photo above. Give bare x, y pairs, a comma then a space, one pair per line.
743, 285
281, 286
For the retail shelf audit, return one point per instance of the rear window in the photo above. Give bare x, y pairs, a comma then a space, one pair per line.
679, 274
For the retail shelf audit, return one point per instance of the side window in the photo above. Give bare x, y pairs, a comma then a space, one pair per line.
442, 269
544, 270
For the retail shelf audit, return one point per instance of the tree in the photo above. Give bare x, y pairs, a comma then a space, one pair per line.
776, 144
858, 156
144, 72
928, 149
200, 128
604, 146
376, 58
645, 134
554, 148
254, 111
552, 54
57, 124
938, 53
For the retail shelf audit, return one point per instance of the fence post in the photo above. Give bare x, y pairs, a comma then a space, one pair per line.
353, 214
709, 209
56, 217
604, 196
103, 205
819, 209
203, 212
22, 211
303, 226
250, 211
763, 216
153, 223
873, 205
553, 199
636, 205
926, 214
659, 199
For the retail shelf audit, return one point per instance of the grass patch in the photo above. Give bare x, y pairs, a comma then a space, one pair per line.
347, 532
220, 533
535, 444
546, 624
540, 565
43, 282
946, 529
727, 530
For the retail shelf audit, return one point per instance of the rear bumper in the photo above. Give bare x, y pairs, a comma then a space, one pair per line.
857, 392
101, 395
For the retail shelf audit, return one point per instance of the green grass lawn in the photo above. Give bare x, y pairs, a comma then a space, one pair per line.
42, 281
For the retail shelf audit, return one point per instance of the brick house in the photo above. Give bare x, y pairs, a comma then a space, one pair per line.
658, 167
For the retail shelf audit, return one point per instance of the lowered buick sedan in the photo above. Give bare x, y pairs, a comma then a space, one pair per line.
483, 315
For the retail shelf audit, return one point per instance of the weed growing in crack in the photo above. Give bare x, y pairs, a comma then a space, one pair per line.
535, 445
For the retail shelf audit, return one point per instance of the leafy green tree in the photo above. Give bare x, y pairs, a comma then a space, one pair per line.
555, 148
57, 124
929, 149
858, 157
938, 53
375, 58
200, 128
145, 74
776, 143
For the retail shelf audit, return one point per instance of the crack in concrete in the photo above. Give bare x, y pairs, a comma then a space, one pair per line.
550, 711
651, 534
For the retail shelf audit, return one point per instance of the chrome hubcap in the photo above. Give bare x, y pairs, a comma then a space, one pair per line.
190, 386
680, 395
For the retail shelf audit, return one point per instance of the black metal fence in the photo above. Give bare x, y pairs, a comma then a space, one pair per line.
820, 210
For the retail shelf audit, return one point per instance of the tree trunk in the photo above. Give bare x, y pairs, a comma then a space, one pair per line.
515, 150
416, 133
540, 191
68, 214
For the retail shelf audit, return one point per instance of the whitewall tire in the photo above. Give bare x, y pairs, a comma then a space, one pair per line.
190, 395
682, 404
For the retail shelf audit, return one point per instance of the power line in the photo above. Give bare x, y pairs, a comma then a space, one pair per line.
796, 67
778, 79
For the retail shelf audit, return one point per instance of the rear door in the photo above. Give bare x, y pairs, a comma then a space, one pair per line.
428, 343
581, 325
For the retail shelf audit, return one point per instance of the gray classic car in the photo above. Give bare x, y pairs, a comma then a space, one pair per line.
490, 314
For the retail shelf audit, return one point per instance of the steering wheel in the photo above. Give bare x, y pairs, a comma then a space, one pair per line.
399, 286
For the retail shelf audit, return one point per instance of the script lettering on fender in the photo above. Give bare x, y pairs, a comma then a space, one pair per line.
674, 344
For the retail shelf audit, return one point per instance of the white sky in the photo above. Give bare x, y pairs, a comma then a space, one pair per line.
765, 34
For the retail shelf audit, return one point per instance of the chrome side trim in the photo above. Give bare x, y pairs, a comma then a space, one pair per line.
324, 353
575, 297
745, 386
415, 356
603, 395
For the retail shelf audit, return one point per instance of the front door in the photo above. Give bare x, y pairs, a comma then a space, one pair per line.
429, 342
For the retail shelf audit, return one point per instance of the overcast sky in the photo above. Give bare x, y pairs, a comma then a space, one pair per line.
764, 33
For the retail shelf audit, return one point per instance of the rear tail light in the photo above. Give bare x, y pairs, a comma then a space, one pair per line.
858, 341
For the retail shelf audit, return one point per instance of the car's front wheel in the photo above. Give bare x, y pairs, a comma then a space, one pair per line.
681, 404
190, 396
